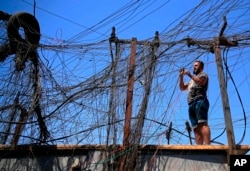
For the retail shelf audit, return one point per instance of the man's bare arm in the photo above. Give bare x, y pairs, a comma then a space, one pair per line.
181, 82
198, 80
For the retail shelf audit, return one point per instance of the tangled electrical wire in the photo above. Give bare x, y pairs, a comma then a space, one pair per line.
81, 87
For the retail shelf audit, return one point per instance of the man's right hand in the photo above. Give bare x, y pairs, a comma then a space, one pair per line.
182, 72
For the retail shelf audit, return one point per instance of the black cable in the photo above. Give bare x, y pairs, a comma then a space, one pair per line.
238, 94
168, 132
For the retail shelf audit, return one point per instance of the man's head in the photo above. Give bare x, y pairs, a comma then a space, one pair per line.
198, 67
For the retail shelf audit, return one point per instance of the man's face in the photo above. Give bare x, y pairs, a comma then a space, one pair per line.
197, 68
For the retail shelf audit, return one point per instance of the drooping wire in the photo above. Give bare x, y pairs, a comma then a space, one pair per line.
238, 94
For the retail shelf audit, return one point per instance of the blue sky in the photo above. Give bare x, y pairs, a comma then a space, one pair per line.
79, 15
65, 23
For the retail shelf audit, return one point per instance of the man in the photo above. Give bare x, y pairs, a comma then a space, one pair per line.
197, 101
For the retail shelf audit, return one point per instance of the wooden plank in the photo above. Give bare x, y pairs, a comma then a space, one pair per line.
100, 147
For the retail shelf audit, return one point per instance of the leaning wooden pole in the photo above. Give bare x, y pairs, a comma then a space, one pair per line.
129, 101
224, 95
129, 94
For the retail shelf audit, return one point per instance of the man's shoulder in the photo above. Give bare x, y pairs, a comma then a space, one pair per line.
202, 74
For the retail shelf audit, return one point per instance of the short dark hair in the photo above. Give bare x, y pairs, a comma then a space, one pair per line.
201, 63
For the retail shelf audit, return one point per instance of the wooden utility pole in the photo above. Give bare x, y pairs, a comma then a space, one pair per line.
129, 93
225, 101
223, 90
128, 137
129, 101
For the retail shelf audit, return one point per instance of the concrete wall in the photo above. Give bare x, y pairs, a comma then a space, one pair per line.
91, 159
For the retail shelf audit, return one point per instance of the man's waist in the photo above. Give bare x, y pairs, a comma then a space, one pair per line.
196, 99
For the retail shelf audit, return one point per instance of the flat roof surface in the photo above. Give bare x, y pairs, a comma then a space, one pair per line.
99, 147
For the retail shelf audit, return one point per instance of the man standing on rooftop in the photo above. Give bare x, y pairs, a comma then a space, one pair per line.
198, 103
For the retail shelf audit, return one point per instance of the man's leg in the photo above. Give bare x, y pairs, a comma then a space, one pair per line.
205, 133
198, 135
202, 113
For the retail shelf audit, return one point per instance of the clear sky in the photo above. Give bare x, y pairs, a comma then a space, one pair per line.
67, 22
57, 16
